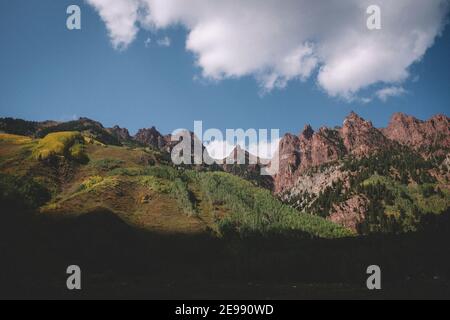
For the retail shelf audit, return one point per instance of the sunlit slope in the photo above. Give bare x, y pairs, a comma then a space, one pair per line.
142, 187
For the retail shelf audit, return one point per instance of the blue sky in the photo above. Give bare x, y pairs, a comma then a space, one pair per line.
49, 72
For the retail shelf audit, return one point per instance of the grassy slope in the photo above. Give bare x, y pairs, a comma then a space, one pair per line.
141, 188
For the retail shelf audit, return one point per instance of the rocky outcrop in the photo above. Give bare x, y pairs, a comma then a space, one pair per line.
287, 159
361, 138
351, 213
314, 177
310, 149
422, 136
122, 134
151, 137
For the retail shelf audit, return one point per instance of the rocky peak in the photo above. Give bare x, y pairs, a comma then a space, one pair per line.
241, 155
360, 137
122, 134
307, 133
88, 122
150, 137
419, 135
353, 119
296, 155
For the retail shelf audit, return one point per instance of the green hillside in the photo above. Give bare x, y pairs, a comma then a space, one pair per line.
139, 185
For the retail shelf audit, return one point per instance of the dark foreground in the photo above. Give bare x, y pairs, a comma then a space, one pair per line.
120, 262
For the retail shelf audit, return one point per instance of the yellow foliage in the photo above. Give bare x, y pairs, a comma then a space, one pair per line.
90, 140
57, 144
91, 182
14, 139
97, 182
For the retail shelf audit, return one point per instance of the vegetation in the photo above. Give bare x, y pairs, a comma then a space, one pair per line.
90, 183
14, 139
401, 164
18, 126
107, 164
66, 144
22, 192
397, 184
256, 211
396, 208
155, 184
326, 199
186, 200
91, 128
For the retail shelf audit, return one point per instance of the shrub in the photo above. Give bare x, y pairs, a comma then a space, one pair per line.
162, 172
90, 183
155, 184
108, 164
66, 144
78, 153
22, 192
184, 197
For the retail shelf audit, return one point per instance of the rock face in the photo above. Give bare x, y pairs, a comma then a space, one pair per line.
122, 134
320, 172
360, 137
150, 137
422, 136
312, 149
350, 213
289, 158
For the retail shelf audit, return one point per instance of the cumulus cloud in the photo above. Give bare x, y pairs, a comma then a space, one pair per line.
388, 92
280, 41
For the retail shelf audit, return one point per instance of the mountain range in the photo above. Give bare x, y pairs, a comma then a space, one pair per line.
362, 178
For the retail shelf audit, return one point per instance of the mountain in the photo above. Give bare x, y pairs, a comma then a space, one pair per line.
243, 164
151, 137
368, 179
68, 174
426, 137
133, 220
121, 134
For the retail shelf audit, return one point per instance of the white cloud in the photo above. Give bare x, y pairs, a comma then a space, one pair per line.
280, 41
120, 17
164, 42
388, 92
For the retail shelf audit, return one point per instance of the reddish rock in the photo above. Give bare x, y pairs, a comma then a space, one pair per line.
350, 213
360, 137
423, 136
310, 149
288, 157
150, 137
